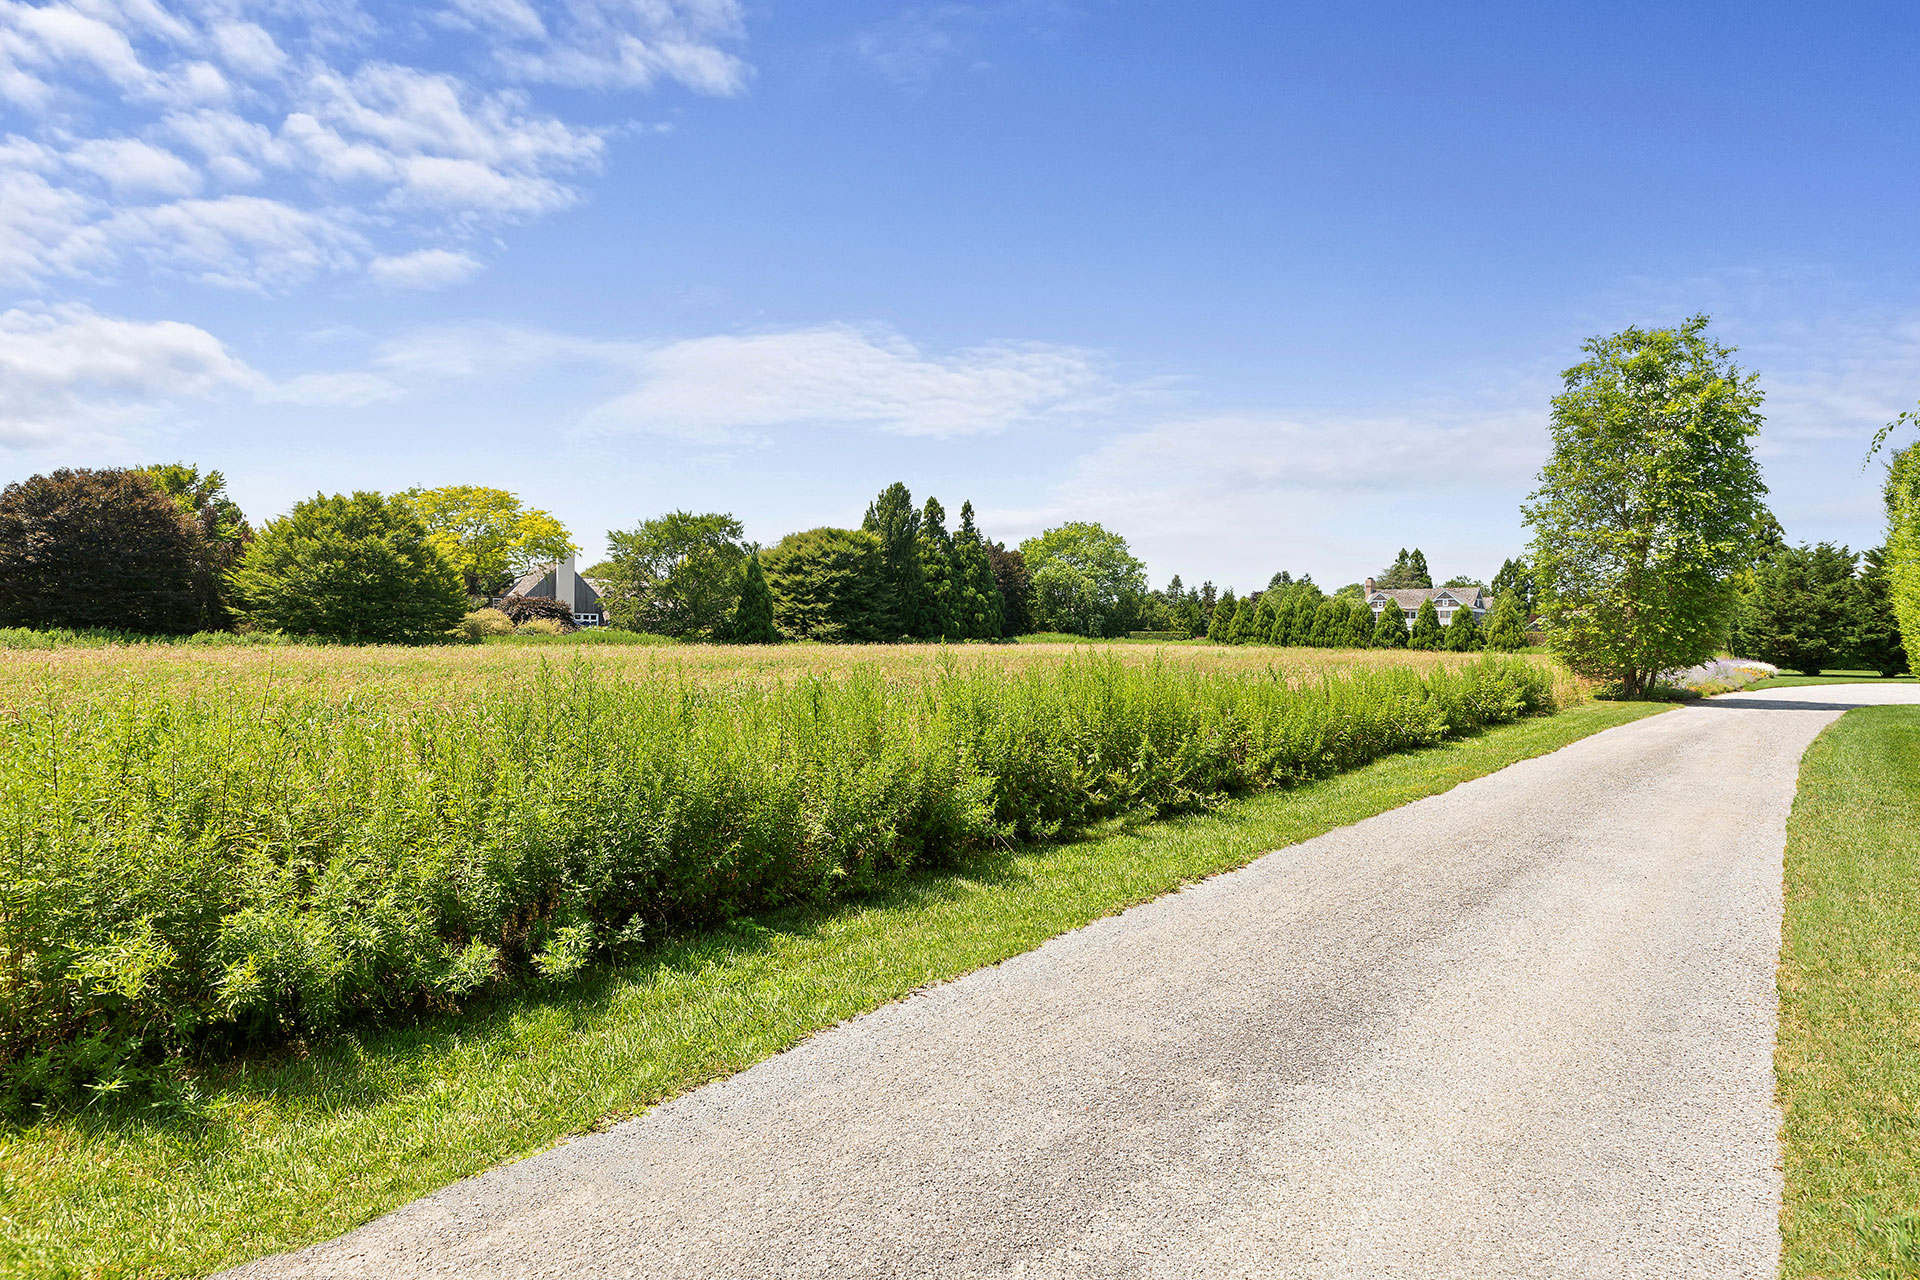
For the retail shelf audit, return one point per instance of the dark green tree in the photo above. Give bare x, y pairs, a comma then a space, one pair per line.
1306, 604
1016, 589
223, 526
1329, 623
1506, 629
937, 573
1463, 633
1240, 629
977, 601
1359, 631
1516, 577
675, 575
893, 519
81, 548
832, 585
1876, 641
1648, 506
752, 618
1221, 626
1390, 628
1426, 632
1802, 610
1408, 570
359, 568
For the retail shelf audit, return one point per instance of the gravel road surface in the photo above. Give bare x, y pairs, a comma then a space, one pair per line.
1522, 1029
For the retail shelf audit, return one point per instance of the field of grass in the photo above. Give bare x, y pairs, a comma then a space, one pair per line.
274, 1151
1848, 1061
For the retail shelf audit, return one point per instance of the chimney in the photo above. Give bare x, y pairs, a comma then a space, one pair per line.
564, 584
1369, 586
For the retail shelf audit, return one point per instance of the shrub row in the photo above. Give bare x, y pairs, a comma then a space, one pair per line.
184, 875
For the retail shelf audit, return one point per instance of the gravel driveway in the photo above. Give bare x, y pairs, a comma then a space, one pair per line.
1524, 1028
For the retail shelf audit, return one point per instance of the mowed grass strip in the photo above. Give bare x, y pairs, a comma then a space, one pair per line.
1830, 677
278, 1154
1848, 1060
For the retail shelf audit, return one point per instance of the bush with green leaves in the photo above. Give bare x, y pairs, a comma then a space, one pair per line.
675, 575
184, 875
355, 567
1903, 543
481, 623
1426, 633
835, 585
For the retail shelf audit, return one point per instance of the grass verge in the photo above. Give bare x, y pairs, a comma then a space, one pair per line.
1831, 677
276, 1154
1848, 1061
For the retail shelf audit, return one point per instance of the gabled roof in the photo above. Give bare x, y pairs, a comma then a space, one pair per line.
1414, 597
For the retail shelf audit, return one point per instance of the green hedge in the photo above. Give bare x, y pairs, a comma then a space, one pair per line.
184, 875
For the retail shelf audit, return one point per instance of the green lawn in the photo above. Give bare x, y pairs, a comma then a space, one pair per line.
1830, 677
283, 1153
1848, 1060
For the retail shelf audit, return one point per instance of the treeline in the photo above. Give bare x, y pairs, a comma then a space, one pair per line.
1810, 608
1298, 614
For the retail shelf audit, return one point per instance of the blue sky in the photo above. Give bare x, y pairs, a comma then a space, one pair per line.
1256, 285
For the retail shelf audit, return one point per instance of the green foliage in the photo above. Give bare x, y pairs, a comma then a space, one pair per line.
891, 518
488, 536
675, 575
1648, 504
1802, 610
1016, 589
1876, 642
1507, 624
1359, 631
83, 549
1329, 624
1903, 543
977, 605
1426, 633
224, 530
1463, 633
482, 623
1390, 628
1240, 626
1516, 577
360, 568
257, 865
752, 620
938, 573
1080, 573
1408, 570
1220, 626
832, 585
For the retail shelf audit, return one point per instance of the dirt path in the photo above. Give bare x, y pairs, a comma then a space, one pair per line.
1524, 1028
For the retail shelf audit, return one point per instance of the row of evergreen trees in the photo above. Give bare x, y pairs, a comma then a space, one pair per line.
1807, 609
1300, 615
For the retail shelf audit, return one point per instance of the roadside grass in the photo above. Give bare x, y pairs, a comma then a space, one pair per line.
1848, 1056
1830, 677
274, 1154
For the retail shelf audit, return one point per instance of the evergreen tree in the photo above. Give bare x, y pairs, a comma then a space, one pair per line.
1876, 632
1801, 612
1222, 620
1390, 628
1280, 579
1516, 577
894, 521
1329, 620
1359, 634
1506, 629
752, 620
1417, 570
359, 567
1409, 569
1426, 632
1306, 603
832, 585
1015, 584
1207, 600
1189, 618
1463, 633
976, 606
937, 573
1240, 630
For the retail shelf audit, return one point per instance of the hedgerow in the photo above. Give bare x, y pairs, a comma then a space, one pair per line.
182, 875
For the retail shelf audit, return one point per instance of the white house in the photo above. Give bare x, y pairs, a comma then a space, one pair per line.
1446, 601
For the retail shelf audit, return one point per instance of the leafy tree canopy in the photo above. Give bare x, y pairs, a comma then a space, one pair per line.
1080, 572
1516, 577
1903, 544
359, 567
1408, 570
675, 575
1647, 504
831, 584
487, 535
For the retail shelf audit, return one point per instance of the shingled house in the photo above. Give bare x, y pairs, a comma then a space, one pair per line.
1446, 600
560, 582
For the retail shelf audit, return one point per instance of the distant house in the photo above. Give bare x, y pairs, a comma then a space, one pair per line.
560, 582
1446, 600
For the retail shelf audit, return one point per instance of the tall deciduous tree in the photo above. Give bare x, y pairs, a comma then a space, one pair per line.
891, 517
1648, 503
81, 548
488, 535
679, 574
1802, 611
359, 567
1516, 577
1080, 573
833, 585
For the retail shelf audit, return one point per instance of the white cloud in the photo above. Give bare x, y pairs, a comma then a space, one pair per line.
243, 242
424, 269
71, 375
249, 49
616, 44
132, 167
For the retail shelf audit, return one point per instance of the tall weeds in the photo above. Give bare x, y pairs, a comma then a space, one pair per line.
184, 872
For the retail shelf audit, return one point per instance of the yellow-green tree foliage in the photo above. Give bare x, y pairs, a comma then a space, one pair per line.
487, 535
1903, 543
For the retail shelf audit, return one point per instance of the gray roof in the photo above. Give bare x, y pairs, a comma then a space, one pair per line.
539, 584
1413, 597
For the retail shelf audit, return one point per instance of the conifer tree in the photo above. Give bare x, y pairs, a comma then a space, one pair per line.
1426, 632
1359, 633
1417, 570
1390, 628
894, 521
1240, 630
1507, 624
1222, 620
976, 597
1463, 633
937, 573
752, 620
1328, 620
1306, 604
